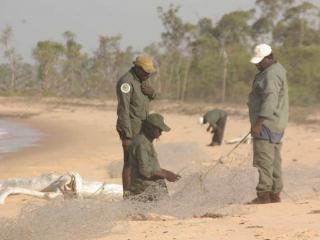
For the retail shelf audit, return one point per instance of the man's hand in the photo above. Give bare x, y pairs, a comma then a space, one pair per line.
171, 177
211, 128
257, 128
126, 194
147, 89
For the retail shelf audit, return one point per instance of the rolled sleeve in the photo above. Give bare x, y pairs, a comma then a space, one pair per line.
270, 95
154, 95
145, 162
124, 124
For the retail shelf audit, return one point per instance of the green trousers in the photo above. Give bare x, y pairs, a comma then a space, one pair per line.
267, 159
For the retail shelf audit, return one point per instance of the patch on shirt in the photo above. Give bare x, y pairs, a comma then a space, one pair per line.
125, 87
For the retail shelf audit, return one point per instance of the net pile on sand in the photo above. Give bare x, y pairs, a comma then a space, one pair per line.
92, 218
221, 191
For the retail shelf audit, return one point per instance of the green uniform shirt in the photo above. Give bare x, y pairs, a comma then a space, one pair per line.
269, 98
144, 163
213, 116
133, 105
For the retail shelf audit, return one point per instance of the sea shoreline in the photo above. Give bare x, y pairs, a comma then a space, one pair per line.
83, 138
17, 135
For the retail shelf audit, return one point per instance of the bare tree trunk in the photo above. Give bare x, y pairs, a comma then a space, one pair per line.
168, 85
12, 63
178, 83
158, 81
45, 85
10, 54
225, 74
185, 80
13, 75
301, 35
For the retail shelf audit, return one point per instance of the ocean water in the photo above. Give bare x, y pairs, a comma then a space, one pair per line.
15, 136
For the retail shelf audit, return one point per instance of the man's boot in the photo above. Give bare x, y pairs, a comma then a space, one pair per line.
275, 197
262, 198
212, 144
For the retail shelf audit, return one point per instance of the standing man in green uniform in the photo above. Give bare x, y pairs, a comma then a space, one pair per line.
268, 111
216, 119
147, 177
134, 94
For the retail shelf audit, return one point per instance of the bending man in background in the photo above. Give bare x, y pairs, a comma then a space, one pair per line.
217, 122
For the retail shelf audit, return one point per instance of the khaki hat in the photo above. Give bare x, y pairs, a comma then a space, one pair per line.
146, 63
157, 120
260, 52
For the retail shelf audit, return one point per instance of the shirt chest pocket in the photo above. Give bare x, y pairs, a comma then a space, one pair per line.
259, 86
138, 98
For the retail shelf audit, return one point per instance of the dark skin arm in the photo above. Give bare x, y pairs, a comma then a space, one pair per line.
257, 128
126, 142
147, 89
210, 128
166, 174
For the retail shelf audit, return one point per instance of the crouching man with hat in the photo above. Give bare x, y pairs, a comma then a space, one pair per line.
147, 177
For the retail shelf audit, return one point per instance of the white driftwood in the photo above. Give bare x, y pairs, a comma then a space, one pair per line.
49, 186
16, 190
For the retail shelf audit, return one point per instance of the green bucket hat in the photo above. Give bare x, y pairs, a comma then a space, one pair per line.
157, 120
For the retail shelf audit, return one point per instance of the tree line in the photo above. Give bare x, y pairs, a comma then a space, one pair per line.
202, 60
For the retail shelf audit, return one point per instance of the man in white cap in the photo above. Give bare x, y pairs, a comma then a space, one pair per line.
268, 112
134, 94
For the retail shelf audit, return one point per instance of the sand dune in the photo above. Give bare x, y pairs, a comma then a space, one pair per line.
80, 136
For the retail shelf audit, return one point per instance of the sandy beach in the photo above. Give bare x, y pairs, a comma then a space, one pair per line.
80, 136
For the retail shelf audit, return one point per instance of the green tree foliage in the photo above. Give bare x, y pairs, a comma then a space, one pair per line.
48, 54
73, 75
109, 63
203, 60
303, 67
175, 63
298, 26
233, 28
233, 34
269, 12
13, 58
205, 55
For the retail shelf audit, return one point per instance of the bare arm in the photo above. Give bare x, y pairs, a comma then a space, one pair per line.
168, 175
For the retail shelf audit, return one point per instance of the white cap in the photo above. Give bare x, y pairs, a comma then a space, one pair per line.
201, 120
260, 52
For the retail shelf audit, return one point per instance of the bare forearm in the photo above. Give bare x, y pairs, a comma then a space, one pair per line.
256, 129
159, 174
260, 121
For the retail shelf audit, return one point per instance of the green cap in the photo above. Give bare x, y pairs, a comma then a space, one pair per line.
157, 120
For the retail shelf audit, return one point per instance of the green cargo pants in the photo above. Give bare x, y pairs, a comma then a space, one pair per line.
267, 159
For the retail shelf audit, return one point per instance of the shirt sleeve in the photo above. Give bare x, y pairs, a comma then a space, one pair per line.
270, 95
123, 111
146, 168
154, 95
